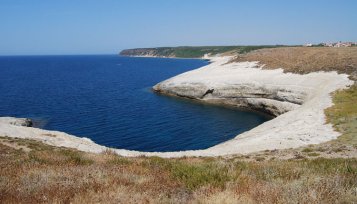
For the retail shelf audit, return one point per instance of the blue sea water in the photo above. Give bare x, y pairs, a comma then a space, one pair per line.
108, 99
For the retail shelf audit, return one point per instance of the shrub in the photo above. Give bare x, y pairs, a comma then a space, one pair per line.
313, 154
195, 176
307, 150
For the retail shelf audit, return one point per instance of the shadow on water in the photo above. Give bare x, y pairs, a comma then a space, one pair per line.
177, 99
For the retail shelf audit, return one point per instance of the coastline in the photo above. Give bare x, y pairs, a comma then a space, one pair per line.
299, 108
206, 58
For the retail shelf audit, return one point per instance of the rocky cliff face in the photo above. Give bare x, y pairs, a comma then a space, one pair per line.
230, 85
271, 100
148, 52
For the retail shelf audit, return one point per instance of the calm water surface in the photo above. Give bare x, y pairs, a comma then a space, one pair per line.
108, 99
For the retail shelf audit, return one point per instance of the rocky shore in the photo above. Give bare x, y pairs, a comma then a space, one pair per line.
16, 121
240, 85
297, 102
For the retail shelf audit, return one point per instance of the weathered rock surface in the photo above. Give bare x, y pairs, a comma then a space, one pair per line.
16, 121
240, 85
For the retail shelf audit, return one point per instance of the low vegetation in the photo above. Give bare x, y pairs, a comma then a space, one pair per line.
343, 115
41, 173
304, 60
193, 52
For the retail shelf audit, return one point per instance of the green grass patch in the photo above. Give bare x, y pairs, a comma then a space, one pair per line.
343, 115
329, 166
307, 150
195, 176
259, 158
313, 154
76, 157
117, 160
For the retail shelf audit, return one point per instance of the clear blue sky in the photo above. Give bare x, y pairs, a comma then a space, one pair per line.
30, 27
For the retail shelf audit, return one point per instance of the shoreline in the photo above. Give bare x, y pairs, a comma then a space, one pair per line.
299, 108
163, 57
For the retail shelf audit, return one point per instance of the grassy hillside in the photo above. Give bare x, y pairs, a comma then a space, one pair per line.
192, 52
306, 59
32, 172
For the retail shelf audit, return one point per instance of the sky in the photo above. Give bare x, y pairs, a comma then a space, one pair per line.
42, 27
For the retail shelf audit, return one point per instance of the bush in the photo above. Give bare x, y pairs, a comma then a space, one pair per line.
307, 150
195, 176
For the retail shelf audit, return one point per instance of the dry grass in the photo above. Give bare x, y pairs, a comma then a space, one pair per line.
306, 59
49, 174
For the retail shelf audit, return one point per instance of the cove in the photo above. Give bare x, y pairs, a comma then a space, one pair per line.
108, 99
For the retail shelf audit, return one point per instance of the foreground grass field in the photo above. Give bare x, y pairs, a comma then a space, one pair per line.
32, 172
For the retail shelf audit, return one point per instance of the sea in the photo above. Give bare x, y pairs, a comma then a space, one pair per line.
108, 98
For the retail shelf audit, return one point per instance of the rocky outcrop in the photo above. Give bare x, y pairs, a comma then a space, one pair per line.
270, 100
16, 121
242, 92
21, 128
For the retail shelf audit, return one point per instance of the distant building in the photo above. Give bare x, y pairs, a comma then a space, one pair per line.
336, 44
343, 44
339, 44
328, 44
